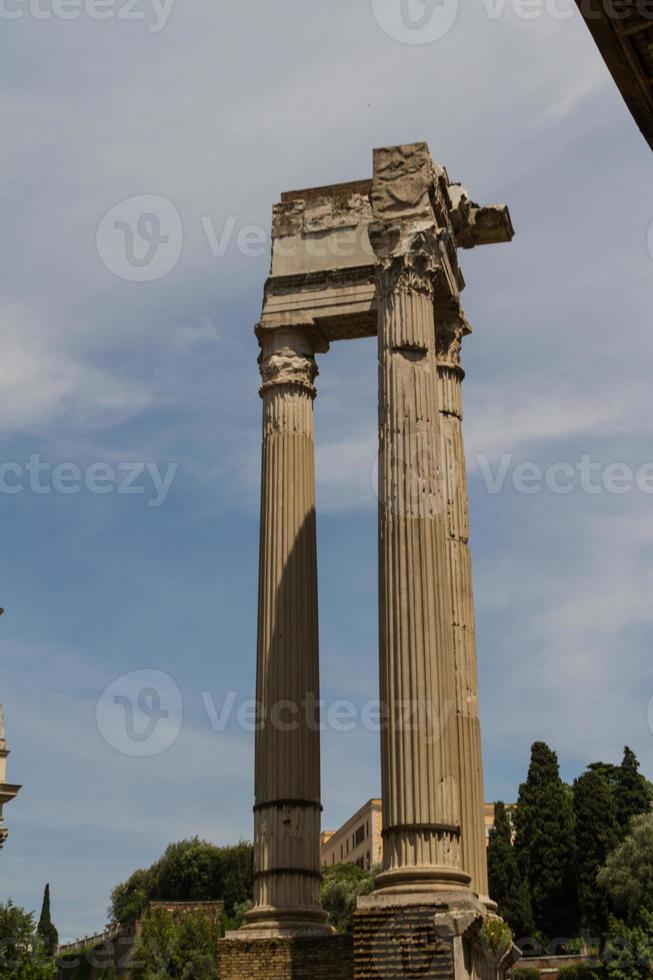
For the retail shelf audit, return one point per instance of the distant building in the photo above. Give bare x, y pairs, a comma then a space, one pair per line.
489, 818
7, 790
359, 841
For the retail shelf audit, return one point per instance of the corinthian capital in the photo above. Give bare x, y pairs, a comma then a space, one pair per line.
287, 358
415, 261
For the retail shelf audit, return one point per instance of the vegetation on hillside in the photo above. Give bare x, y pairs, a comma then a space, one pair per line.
190, 870
22, 955
578, 862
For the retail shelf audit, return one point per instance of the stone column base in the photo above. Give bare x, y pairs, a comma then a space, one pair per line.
301, 958
430, 937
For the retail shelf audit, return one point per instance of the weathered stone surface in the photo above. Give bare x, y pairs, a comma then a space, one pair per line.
287, 779
402, 184
426, 936
351, 260
323, 263
420, 790
451, 327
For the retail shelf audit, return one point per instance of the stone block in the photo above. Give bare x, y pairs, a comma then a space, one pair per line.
393, 943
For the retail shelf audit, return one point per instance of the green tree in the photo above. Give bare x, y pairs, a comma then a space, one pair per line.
606, 769
627, 876
341, 886
597, 834
46, 930
190, 870
129, 900
177, 949
628, 952
21, 953
507, 887
545, 844
631, 791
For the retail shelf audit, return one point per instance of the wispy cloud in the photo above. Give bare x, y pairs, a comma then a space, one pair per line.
42, 385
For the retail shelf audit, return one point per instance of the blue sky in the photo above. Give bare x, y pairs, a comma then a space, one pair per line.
219, 111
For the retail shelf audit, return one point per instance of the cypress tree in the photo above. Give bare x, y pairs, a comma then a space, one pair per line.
631, 791
507, 887
597, 834
545, 844
45, 929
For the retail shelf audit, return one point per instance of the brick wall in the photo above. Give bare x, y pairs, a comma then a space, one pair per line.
321, 958
394, 943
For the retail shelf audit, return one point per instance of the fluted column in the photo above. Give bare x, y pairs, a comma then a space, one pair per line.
287, 810
421, 794
450, 329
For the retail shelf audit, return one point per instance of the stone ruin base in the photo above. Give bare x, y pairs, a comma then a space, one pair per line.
425, 937
310, 958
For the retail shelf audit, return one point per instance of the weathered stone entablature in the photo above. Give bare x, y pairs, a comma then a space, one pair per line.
327, 242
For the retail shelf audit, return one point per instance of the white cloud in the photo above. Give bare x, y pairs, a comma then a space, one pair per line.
560, 624
502, 423
42, 384
346, 473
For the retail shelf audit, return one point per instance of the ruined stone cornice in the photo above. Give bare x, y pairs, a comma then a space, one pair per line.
625, 39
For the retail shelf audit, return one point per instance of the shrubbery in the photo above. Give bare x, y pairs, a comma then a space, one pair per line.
176, 949
22, 954
525, 973
341, 886
579, 971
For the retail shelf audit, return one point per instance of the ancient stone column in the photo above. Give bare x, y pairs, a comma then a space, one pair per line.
287, 810
451, 326
421, 795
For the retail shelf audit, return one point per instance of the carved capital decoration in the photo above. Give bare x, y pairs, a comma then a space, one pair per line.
408, 263
288, 366
450, 328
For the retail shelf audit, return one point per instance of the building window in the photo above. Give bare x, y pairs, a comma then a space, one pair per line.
359, 836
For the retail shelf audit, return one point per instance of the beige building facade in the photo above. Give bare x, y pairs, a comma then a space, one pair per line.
359, 841
8, 791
